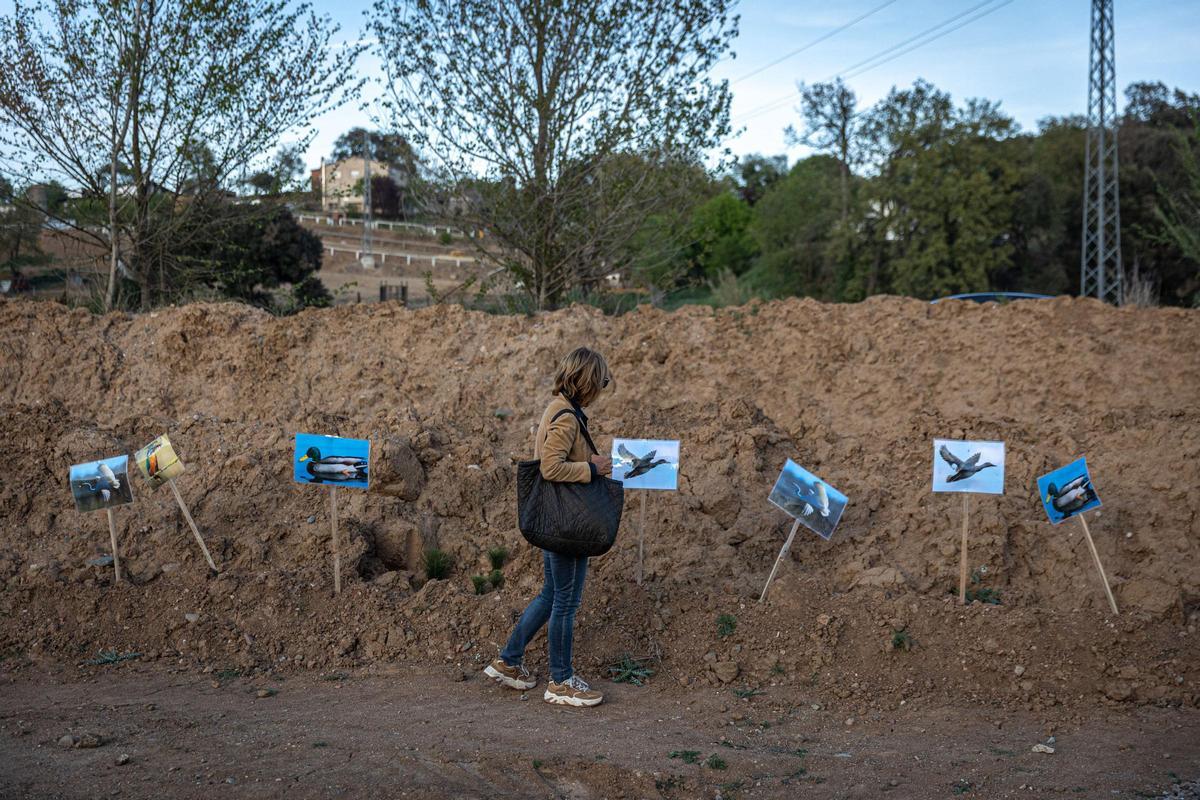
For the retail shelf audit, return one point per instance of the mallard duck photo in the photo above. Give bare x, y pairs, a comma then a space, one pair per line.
963, 468
347, 468
1067, 491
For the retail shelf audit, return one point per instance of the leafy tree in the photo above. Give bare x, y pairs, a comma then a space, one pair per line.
547, 101
794, 224
184, 95
720, 237
392, 149
942, 200
386, 197
281, 174
831, 125
756, 174
242, 252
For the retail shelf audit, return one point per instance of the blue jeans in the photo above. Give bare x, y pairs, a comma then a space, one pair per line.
557, 602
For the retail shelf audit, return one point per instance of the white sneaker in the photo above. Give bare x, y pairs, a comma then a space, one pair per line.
512, 677
574, 691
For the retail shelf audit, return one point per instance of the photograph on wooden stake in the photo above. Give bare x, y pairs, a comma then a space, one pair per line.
101, 484
966, 466
646, 463
817, 505
1068, 491
158, 462
332, 460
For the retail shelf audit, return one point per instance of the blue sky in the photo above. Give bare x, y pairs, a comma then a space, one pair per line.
1030, 55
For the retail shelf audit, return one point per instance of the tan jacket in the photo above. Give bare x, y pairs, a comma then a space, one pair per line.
563, 451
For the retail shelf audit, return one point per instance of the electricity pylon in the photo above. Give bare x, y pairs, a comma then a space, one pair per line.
1101, 273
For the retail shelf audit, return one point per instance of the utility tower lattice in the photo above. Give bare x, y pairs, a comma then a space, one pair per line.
1101, 273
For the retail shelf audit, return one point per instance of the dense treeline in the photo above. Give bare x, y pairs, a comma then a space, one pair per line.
918, 195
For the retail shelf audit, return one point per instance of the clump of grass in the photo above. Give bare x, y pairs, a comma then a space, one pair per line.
335, 676
496, 578
746, 692
537, 763
228, 674
715, 762
481, 584
902, 640
630, 670
726, 625
498, 556
686, 756
106, 657
778, 669
437, 564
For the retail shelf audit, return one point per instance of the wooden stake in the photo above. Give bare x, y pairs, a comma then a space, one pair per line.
192, 524
962, 564
1095, 555
337, 556
641, 538
112, 534
787, 545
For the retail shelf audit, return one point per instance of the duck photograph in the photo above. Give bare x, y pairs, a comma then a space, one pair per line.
646, 463
101, 484
331, 459
158, 462
809, 499
964, 466
1068, 491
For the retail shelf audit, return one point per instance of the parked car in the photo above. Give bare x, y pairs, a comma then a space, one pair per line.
994, 297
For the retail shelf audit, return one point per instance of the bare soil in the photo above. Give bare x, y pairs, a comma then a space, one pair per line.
423, 734
863, 625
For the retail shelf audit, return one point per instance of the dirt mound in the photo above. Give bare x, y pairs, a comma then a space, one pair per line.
449, 398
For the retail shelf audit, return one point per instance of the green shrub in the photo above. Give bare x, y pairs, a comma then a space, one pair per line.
481, 584
498, 556
726, 625
437, 564
496, 579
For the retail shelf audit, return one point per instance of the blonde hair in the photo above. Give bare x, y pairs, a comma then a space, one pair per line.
581, 375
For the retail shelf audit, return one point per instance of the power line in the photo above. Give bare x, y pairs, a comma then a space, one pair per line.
816, 41
921, 39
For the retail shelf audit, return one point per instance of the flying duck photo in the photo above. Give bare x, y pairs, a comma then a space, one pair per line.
332, 460
646, 463
1068, 491
961, 466
101, 484
157, 462
809, 499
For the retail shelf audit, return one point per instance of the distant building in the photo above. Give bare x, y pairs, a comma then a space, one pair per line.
339, 184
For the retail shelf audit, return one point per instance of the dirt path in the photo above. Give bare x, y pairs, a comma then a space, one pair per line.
423, 734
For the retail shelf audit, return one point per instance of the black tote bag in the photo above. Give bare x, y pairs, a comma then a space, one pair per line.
571, 519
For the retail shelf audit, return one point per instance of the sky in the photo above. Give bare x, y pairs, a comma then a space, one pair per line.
1029, 55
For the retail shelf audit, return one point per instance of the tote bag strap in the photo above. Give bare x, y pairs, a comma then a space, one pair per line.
582, 428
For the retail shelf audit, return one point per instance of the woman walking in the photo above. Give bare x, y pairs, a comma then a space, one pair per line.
562, 447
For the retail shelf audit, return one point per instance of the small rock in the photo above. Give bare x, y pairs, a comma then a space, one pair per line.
1026, 686
191, 616
1043, 748
67, 740
816, 706
849, 721
457, 675
1118, 690
101, 561
169, 568
122, 760
312, 518
89, 740
823, 619
262, 693
991, 646
1018, 670
726, 671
